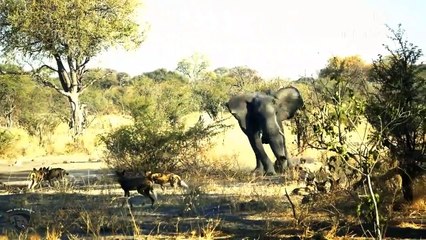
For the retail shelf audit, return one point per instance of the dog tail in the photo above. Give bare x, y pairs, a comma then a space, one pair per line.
180, 182
183, 184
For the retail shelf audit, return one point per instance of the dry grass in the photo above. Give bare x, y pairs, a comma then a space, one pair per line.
90, 211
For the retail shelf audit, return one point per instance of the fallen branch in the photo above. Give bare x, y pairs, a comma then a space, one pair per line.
292, 206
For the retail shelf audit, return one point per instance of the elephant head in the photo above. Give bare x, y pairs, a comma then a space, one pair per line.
260, 117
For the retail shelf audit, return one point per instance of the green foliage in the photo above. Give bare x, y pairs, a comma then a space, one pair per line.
194, 68
6, 139
162, 74
366, 209
352, 68
42, 26
158, 140
333, 114
67, 34
40, 125
397, 110
213, 93
19, 95
14, 93
332, 111
399, 103
156, 145
172, 99
244, 79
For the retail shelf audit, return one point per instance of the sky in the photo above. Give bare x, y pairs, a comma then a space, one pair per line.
277, 38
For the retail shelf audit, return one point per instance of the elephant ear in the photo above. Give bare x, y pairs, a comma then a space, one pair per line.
238, 107
288, 100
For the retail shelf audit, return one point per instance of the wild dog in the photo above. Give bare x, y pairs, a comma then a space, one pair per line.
164, 178
54, 173
141, 184
36, 177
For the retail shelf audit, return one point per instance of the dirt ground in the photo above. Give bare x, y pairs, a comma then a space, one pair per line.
90, 205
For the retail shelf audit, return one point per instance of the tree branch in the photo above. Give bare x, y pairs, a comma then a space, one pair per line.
47, 66
91, 82
51, 85
83, 64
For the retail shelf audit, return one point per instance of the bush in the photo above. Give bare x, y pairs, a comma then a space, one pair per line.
153, 145
5, 140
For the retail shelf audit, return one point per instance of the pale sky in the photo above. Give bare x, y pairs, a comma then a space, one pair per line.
278, 38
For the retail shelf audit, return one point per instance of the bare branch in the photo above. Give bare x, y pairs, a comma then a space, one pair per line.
84, 87
47, 66
83, 64
51, 85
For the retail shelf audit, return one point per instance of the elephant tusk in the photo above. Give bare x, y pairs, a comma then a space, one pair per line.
278, 125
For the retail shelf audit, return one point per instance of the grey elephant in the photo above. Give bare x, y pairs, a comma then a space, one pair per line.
260, 117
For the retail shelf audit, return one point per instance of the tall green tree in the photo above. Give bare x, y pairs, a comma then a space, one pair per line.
399, 107
15, 85
245, 78
351, 68
162, 74
194, 68
63, 36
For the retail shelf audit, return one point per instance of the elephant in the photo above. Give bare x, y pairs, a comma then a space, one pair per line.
260, 116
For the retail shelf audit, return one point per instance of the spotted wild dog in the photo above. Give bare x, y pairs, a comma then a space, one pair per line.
141, 184
54, 174
164, 178
36, 177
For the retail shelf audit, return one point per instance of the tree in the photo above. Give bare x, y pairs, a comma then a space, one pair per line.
103, 78
162, 74
63, 36
399, 104
212, 93
194, 67
352, 68
245, 77
330, 121
15, 86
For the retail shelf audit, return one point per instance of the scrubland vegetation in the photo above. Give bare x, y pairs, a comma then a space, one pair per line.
364, 122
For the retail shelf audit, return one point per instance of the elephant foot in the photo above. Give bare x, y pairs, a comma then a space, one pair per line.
258, 172
281, 165
270, 173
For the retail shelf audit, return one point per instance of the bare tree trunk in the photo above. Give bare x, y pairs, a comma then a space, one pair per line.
77, 117
9, 117
407, 187
71, 87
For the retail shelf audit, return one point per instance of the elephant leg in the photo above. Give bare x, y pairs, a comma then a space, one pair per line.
259, 166
263, 163
287, 156
278, 148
